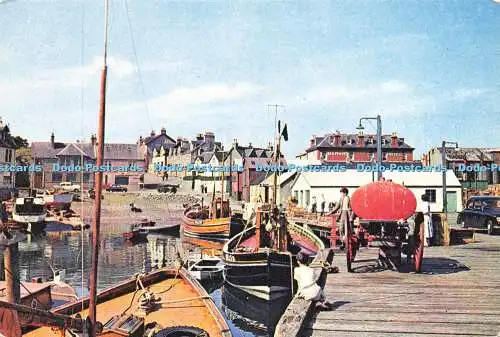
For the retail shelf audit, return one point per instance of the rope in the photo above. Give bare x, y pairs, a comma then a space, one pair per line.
137, 282
185, 300
139, 73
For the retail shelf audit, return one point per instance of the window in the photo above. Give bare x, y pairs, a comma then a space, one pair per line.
71, 177
7, 180
6, 155
86, 177
56, 177
302, 198
308, 196
296, 195
431, 194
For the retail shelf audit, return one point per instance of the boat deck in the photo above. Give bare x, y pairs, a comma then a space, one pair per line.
181, 306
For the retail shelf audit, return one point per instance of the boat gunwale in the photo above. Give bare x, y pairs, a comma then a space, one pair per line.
129, 285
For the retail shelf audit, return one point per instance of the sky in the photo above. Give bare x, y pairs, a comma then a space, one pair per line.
431, 69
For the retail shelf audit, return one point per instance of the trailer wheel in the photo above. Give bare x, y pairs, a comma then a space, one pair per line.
419, 247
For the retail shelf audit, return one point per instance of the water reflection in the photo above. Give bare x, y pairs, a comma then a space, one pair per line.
119, 260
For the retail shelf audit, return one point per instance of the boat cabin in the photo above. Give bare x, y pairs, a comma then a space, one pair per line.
220, 208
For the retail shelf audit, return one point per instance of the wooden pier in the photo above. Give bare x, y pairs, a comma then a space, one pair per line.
457, 294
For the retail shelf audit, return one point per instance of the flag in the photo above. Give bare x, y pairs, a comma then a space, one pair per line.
284, 133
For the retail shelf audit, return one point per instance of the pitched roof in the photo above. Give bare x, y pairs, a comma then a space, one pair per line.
112, 151
354, 178
122, 152
258, 178
73, 149
46, 150
149, 139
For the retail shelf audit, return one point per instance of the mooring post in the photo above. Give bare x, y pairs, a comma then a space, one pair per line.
12, 273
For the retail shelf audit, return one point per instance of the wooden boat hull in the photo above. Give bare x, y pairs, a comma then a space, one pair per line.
184, 303
208, 229
266, 274
250, 311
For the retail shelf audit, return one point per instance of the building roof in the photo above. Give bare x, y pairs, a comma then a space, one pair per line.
258, 178
162, 133
468, 154
350, 141
253, 152
45, 150
122, 152
354, 178
220, 155
77, 149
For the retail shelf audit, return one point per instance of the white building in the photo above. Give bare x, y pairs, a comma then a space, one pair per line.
326, 185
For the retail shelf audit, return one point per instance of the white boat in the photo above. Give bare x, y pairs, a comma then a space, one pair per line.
205, 267
30, 212
57, 199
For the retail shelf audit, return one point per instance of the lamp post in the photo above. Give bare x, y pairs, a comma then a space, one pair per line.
445, 169
379, 141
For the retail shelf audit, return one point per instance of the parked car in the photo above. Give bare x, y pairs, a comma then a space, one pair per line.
116, 188
69, 186
167, 188
481, 212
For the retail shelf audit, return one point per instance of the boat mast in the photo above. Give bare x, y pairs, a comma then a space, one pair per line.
96, 219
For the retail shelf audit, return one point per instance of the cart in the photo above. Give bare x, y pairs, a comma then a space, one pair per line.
383, 209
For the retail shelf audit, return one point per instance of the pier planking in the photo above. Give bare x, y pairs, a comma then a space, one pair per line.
457, 294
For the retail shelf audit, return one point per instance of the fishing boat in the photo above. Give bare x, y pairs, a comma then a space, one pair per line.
208, 222
58, 200
30, 213
169, 301
260, 259
205, 267
251, 313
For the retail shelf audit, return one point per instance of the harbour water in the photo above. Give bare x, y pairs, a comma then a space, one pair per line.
119, 259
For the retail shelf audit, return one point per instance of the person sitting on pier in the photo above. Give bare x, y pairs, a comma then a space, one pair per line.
307, 286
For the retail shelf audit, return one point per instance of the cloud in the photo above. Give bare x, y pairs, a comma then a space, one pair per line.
217, 93
463, 94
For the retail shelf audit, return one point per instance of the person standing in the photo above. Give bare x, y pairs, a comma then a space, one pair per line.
323, 204
344, 209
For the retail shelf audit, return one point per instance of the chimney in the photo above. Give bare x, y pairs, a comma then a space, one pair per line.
394, 139
163, 131
199, 136
209, 137
179, 141
152, 133
250, 145
235, 143
52, 137
93, 140
361, 139
313, 141
141, 140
